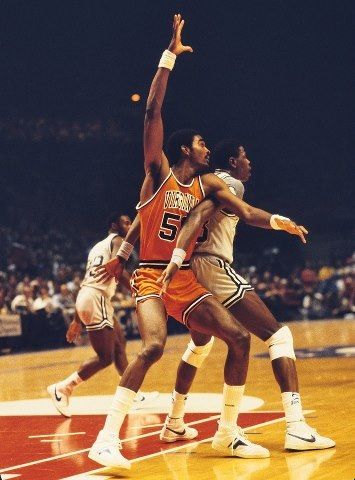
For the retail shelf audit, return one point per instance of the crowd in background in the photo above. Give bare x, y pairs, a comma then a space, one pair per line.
42, 129
41, 272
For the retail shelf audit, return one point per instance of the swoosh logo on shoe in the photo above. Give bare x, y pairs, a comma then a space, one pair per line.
56, 396
236, 444
310, 440
177, 433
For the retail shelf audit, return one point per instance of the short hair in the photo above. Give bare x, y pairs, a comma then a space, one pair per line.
114, 217
223, 151
175, 142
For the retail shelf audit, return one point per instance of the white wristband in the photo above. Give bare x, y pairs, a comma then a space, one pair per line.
178, 256
273, 221
125, 250
167, 60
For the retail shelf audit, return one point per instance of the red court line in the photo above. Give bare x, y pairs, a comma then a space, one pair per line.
32, 450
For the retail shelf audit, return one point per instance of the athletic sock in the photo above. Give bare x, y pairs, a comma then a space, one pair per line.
68, 384
291, 402
232, 399
121, 403
177, 406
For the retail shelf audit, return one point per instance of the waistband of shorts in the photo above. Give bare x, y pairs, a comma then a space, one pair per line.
161, 264
206, 255
100, 292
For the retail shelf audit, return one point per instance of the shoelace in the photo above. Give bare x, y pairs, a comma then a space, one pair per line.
239, 432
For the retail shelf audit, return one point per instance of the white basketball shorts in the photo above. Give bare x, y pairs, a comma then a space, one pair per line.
219, 278
94, 309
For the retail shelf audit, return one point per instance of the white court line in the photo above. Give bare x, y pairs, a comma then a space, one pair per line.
57, 435
51, 440
147, 426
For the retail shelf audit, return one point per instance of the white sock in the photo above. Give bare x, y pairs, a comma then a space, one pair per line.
177, 406
291, 402
232, 399
121, 403
68, 384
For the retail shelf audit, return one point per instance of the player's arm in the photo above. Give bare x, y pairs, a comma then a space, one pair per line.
154, 159
122, 250
195, 221
217, 189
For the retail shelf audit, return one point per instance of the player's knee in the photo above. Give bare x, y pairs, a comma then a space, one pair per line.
239, 339
152, 353
195, 355
281, 344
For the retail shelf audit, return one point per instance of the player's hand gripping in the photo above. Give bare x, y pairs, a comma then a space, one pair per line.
290, 227
111, 269
74, 331
176, 45
166, 277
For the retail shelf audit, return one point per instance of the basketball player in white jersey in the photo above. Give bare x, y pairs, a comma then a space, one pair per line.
211, 263
95, 310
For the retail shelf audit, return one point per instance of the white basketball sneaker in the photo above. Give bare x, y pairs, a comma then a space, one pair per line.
60, 399
175, 430
232, 441
142, 399
106, 451
300, 436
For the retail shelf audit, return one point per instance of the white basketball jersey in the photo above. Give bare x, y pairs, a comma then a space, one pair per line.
98, 255
221, 228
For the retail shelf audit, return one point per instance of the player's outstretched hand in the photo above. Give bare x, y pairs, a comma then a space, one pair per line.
111, 269
176, 45
166, 277
290, 227
73, 332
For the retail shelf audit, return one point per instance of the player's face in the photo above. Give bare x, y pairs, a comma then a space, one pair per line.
243, 167
124, 225
200, 155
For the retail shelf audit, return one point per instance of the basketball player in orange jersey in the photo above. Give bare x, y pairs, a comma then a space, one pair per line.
167, 195
94, 309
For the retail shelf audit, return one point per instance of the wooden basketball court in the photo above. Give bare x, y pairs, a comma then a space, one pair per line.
36, 443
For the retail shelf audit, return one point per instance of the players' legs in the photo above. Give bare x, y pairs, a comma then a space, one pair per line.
197, 351
102, 341
120, 342
153, 330
254, 315
210, 317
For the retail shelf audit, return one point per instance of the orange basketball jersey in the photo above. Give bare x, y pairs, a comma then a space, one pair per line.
161, 217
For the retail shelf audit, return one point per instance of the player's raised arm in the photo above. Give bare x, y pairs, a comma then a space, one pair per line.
256, 217
153, 124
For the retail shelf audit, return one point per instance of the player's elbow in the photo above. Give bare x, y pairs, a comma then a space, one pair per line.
153, 109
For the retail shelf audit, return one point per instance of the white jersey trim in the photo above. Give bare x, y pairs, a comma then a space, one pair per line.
201, 186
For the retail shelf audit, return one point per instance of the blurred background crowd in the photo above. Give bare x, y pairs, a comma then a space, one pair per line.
41, 272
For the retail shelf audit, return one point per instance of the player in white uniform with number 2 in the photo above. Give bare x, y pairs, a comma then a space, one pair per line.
95, 310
